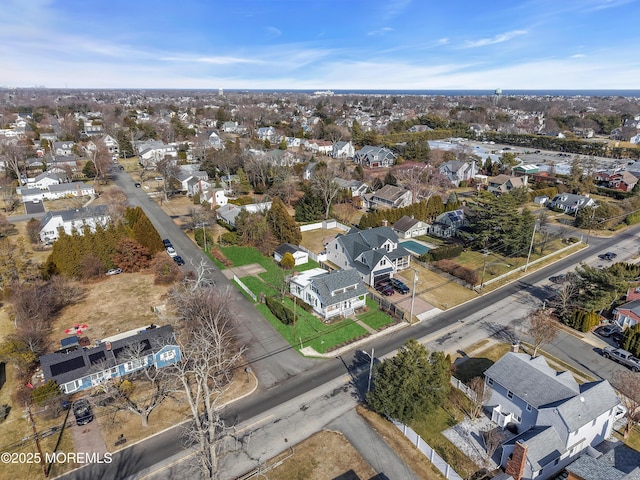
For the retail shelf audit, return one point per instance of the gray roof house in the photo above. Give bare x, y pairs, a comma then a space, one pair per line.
570, 203
555, 417
374, 157
409, 227
374, 253
229, 212
299, 255
72, 221
448, 224
389, 196
457, 171
617, 463
118, 356
330, 294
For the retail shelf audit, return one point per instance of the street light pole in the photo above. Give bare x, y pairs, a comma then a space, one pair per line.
413, 295
370, 370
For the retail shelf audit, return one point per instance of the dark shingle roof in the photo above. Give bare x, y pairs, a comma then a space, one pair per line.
330, 282
544, 445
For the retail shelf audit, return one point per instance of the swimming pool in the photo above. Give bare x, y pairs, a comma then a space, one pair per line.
415, 247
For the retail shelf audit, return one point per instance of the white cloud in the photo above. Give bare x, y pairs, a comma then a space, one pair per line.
380, 31
273, 32
501, 37
578, 55
393, 8
221, 60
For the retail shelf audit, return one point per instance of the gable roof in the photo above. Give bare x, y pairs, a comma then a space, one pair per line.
286, 248
405, 224
66, 367
543, 443
327, 283
531, 379
594, 399
84, 213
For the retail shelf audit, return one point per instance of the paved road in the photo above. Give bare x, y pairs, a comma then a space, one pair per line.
270, 355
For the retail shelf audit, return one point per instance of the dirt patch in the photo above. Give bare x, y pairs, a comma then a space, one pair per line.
111, 305
322, 456
409, 454
315, 240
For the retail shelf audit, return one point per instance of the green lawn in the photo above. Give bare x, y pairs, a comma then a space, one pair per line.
431, 426
375, 318
310, 331
257, 286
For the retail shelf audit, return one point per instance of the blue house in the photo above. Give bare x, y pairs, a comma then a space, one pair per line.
82, 368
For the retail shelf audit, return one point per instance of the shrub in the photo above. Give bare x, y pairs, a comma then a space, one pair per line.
200, 237
46, 392
442, 253
165, 270
280, 310
583, 321
229, 238
219, 256
463, 273
4, 412
632, 218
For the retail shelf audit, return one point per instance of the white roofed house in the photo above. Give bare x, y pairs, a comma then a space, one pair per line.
73, 220
330, 294
555, 417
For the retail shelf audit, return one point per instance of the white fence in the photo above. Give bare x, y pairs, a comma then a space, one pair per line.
245, 288
428, 452
463, 388
324, 225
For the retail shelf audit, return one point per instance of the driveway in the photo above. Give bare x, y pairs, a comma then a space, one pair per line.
88, 438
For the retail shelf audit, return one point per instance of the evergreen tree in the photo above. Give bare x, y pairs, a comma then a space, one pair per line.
412, 383
452, 202
310, 208
243, 186
389, 179
282, 225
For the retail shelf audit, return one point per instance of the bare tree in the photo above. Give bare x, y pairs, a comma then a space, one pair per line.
117, 204
492, 440
169, 170
9, 194
14, 156
145, 390
564, 301
101, 160
324, 184
628, 385
482, 394
205, 372
542, 327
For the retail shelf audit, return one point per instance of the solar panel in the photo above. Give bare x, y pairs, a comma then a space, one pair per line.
67, 366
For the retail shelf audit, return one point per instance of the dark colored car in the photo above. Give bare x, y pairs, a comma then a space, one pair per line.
606, 330
607, 256
399, 286
82, 411
617, 337
178, 259
384, 287
558, 278
137, 184
167, 242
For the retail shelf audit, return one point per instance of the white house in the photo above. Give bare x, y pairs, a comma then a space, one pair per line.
330, 294
457, 171
343, 150
44, 180
555, 417
63, 148
300, 256
72, 221
570, 203
409, 227
374, 253
229, 212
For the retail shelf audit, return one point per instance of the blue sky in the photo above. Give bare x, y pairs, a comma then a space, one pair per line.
321, 44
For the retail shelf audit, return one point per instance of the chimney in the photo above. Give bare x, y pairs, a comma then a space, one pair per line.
515, 464
107, 345
515, 346
385, 223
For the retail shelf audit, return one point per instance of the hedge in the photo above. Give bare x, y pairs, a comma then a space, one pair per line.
583, 321
442, 253
280, 310
452, 268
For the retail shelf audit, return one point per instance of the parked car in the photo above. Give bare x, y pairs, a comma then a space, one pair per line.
607, 256
82, 411
178, 259
167, 242
114, 271
384, 287
172, 252
617, 338
399, 286
558, 278
606, 330
137, 184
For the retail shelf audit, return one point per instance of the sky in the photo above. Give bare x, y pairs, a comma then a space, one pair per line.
321, 44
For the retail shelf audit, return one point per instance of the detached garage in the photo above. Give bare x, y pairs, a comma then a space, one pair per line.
300, 256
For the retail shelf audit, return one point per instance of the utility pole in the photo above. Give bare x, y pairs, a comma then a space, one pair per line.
370, 370
535, 225
413, 295
37, 439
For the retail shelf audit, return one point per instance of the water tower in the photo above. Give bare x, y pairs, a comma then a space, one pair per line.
497, 95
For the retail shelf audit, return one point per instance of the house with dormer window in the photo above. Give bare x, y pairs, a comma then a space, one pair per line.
330, 294
374, 157
374, 253
555, 418
570, 203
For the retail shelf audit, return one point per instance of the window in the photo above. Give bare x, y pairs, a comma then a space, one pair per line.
517, 418
528, 407
168, 355
489, 381
509, 394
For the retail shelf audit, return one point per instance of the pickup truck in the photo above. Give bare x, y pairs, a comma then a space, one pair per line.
622, 357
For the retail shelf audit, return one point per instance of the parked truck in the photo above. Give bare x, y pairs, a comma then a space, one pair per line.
622, 357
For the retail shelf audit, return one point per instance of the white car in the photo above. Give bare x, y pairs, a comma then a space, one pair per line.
114, 271
172, 252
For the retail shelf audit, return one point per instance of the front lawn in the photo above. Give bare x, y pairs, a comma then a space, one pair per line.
311, 332
375, 318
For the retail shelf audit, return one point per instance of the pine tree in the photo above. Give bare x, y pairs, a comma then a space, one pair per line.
243, 186
282, 225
